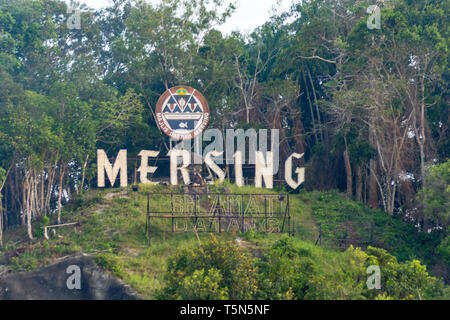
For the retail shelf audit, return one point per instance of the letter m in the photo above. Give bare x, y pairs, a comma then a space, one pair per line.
112, 171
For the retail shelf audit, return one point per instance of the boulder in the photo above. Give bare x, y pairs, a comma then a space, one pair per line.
55, 282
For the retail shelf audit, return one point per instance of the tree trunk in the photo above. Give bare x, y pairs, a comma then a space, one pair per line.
83, 174
32, 203
28, 189
297, 130
316, 104
392, 190
373, 187
42, 195
310, 108
5, 211
422, 139
1, 209
35, 198
24, 200
348, 171
359, 183
60, 190
50, 185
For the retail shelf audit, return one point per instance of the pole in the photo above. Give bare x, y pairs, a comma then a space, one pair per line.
265, 212
319, 239
171, 209
218, 210
147, 225
243, 214
195, 210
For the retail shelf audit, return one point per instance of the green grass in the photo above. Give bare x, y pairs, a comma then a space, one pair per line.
113, 229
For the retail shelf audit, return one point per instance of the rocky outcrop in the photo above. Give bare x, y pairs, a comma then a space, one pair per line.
73, 278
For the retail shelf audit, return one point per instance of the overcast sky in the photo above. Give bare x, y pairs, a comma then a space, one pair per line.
248, 15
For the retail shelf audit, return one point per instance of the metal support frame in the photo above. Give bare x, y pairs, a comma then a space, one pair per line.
221, 212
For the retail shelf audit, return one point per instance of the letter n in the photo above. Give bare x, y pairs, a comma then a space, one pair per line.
112, 171
264, 170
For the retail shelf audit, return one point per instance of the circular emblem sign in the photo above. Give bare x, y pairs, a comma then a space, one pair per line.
182, 113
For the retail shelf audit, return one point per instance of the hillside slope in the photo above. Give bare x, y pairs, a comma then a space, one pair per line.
112, 227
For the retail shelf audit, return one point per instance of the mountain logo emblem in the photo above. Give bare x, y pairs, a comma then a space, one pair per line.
182, 113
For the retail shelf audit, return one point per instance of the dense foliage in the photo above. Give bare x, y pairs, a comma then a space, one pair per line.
436, 195
291, 270
367, 107
215, 270
258, 266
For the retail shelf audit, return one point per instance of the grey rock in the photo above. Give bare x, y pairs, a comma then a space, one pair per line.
50, 283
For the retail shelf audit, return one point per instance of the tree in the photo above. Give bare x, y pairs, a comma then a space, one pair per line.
387, 76
54, 108
435, 196
2, 184
230, 271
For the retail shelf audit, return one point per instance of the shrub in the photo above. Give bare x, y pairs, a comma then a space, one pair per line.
110, 262
230, 272
203, 285
284, 271
288, 271
436, 195
408, 280
444, 250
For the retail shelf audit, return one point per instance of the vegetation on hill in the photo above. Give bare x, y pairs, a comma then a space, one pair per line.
258, 266
368, 109
293, 269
